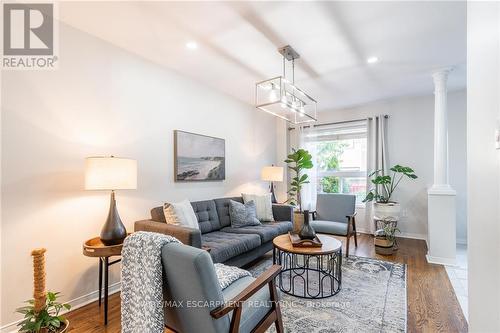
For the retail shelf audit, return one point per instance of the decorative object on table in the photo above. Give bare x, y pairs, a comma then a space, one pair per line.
381, 193
181, 213
43, 312
280, 97
298, 161
375, 289
198, 157
95, 248
385, 240
319, 267
111, 173
307, 231
242, 215
263, 205
336, 215
272, 174
297, 241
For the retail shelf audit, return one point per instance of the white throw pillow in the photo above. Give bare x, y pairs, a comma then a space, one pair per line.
170, 217
263, 205
184, 213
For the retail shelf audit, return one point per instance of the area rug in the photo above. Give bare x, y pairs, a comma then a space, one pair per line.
372, 299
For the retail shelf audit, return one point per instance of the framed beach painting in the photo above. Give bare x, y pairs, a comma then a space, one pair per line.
198, 157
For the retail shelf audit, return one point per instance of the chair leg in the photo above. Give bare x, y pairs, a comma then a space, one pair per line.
276, 305
347, 245
355, 232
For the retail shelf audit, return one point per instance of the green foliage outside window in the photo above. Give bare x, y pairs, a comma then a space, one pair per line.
330, 184
328, 154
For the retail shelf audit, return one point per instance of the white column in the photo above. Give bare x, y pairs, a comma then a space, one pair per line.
441, 197
440, 129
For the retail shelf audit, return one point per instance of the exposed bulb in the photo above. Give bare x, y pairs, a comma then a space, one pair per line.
273, 95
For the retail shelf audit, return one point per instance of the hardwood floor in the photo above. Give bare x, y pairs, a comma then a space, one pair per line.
432, 304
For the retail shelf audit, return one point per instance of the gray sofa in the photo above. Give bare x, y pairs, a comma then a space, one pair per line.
232, 246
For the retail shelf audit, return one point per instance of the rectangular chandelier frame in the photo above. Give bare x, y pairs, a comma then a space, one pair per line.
283, 99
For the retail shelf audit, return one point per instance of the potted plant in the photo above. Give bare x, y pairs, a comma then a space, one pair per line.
42, 314
45, 320
385, 239
381, 193
298, 161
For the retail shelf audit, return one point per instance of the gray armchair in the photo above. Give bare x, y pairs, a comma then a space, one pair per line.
194, 301
335, 215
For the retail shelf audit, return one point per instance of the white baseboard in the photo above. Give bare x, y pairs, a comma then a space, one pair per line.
75, 304
441, 260
402, 235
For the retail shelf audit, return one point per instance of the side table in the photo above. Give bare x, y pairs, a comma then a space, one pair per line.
95, 248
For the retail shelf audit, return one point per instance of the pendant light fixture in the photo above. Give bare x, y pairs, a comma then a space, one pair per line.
279, 96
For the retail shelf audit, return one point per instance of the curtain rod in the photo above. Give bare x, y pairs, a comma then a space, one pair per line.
338, 122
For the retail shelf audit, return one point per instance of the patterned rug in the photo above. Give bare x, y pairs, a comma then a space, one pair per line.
372, 299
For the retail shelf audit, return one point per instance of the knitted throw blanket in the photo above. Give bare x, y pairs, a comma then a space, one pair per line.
142, 282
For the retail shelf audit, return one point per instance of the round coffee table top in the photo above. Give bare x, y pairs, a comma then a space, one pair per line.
330, 245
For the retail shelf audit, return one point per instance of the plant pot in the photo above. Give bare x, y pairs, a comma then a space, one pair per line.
61, 330
298, 221
383, 246
386, 211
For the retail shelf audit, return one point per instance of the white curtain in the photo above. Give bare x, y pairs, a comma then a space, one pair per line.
377, 156
309, 191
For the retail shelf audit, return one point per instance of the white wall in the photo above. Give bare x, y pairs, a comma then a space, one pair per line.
104, 101
410, 143
483, 114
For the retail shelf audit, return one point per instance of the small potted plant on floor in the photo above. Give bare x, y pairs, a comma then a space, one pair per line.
385, 240
385, 185
298, 161
42, 314
45, 320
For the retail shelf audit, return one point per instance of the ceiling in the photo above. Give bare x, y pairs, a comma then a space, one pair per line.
238, 41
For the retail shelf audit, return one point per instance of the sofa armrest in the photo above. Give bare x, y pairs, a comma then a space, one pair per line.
283, 212
188, 236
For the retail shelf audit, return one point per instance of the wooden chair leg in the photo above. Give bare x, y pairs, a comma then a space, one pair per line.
355, 232
347, 245
276, 305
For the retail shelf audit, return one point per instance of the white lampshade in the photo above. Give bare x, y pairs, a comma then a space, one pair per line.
272, 174
110, 173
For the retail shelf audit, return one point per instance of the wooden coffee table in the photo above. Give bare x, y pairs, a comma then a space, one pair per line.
309, 272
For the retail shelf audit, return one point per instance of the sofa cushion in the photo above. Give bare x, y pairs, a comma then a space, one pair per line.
207, 216
222, 206
242, 215
329, 227
255, 308
225, 245
266, 231
263, 205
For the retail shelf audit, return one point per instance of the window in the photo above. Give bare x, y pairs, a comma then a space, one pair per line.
340, 155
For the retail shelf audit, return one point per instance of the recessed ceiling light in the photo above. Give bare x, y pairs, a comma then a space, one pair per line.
192, 45
372, 60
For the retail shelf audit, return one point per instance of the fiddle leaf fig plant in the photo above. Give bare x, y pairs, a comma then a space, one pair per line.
298, 161
385, 185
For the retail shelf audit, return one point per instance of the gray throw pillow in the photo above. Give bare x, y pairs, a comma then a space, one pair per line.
242, 215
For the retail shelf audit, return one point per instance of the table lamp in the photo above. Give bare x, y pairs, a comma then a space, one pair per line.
111, 173
272, 174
